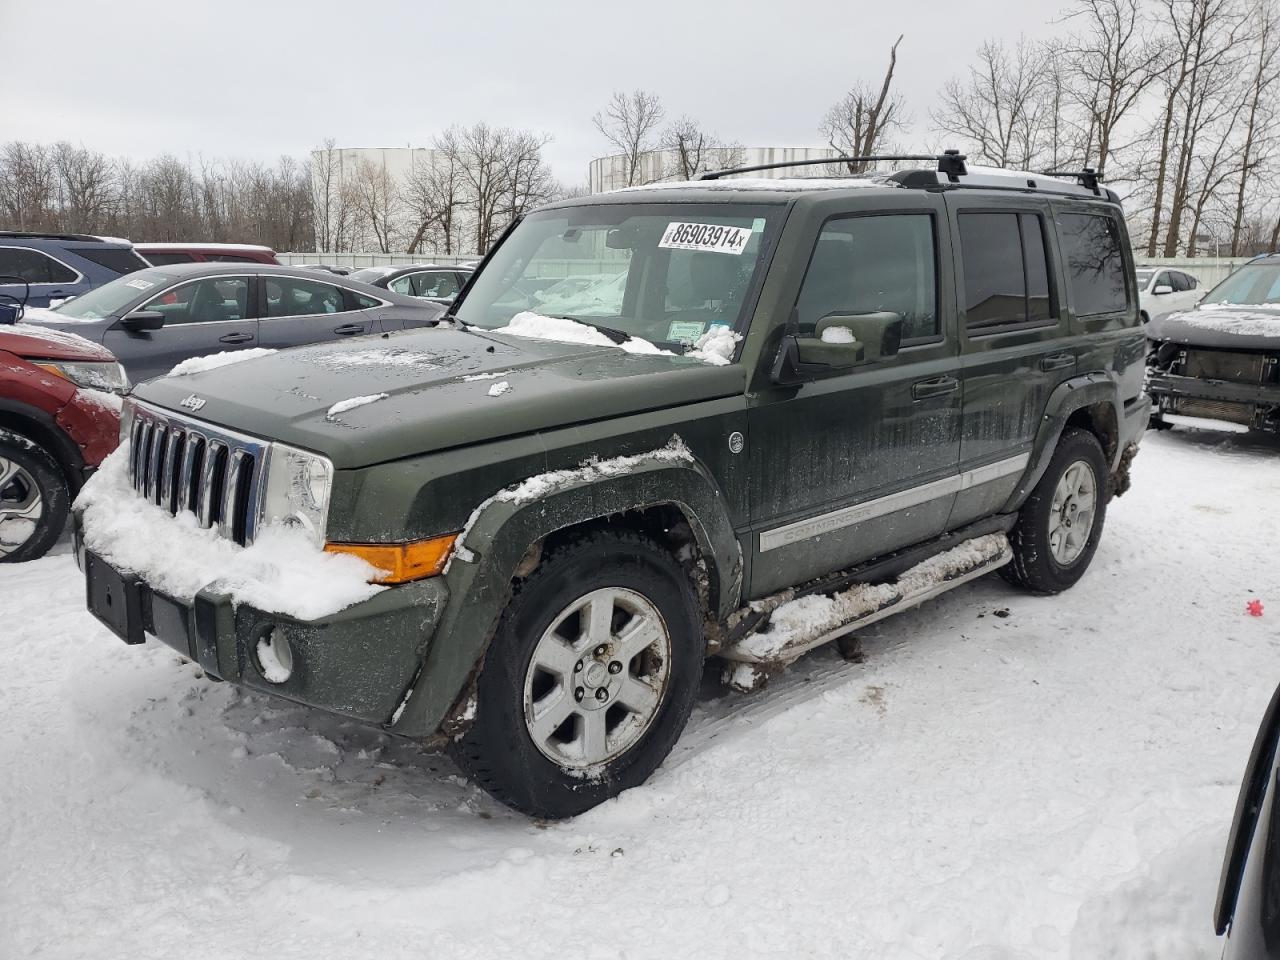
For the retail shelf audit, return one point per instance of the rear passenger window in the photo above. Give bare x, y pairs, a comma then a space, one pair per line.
295, 297
164, 259
1006, 271
33, 267
1095, 263
870, 264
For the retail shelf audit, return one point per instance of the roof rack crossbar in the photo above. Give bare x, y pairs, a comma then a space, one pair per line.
1087, 178
951, 163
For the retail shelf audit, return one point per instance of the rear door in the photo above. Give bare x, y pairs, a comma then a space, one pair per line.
1015, 342
850, 466
46, 278
202, 317
297, 311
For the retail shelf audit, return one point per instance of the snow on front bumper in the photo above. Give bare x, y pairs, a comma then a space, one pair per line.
356, 647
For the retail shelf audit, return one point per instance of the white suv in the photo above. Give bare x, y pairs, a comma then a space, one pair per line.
1163, 291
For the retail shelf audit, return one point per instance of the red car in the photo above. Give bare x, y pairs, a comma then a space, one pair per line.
163, 254
59, 418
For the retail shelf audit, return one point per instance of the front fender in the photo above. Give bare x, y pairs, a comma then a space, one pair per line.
501, 531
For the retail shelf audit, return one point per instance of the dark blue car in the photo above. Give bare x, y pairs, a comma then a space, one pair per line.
55, 266
156, 318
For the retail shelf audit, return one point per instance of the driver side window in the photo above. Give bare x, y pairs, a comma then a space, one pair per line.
873, 264
211, 300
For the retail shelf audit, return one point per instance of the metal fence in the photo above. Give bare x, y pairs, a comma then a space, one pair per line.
1208, 270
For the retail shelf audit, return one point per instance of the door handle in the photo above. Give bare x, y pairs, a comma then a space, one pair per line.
236, 338
937, 387
1057, 361
349, 329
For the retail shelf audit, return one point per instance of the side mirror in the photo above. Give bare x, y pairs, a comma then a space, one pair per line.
1161, 289
142, 320
842, 341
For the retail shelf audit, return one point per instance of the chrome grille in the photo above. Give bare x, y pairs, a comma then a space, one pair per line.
185, 465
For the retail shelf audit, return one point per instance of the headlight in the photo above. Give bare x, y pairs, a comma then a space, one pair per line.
126, 419
298, 487
96, 375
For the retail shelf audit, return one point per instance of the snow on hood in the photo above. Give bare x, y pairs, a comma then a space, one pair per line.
53, 336
213, 361
282, 572
1240, 327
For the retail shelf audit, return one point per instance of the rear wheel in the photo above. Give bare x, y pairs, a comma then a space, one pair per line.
589, 679
34, 499
1061, 522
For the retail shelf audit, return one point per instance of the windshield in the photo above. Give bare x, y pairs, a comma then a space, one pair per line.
1255, 285
1144, 276
663, 272
111, 298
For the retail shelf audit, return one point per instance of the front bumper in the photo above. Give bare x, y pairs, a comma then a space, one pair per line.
1251, 404
360, 662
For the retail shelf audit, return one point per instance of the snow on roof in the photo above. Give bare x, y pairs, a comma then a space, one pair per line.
195, 245
767, 183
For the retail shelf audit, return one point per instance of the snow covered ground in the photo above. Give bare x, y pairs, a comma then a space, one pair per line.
1054, 783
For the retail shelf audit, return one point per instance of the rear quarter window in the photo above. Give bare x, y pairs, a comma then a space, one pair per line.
1093, 249
114, 258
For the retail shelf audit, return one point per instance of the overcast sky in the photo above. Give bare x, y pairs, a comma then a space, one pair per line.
258, 78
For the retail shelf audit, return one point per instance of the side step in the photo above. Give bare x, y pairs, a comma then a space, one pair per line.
796, 626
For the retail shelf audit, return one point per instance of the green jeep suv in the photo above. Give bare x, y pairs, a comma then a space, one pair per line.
766, 412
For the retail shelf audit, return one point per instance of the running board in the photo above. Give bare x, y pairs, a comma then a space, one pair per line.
797, 626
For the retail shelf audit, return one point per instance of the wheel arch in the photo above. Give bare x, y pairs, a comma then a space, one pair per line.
677, 502
42, 429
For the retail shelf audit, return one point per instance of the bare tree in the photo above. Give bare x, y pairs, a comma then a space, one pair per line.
697, 150
1260, 125
859, 124
1116, 63
997, 111
27, 185
630, 122
378, 198
433, 194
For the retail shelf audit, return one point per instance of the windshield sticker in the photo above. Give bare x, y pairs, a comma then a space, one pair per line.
712, 237
685, 331
140, 284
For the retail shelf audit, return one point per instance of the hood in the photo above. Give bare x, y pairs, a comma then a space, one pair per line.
1226, 327
30, 341
375, 399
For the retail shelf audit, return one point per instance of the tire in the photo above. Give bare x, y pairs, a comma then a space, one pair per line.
1042, 563
34, 499
545, 660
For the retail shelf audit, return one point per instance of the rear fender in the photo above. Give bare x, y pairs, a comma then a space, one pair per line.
503, 529
1070, 396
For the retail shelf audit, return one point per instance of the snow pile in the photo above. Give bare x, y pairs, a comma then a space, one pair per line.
342, 406
282, 572
101, 398
473, 377
837, 334
539, 486
799, 622
215, 360
373, 357
716, 346
1244, 323
535, 326
498, 389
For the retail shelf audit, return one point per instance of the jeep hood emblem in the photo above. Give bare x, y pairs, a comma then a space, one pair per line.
192, 402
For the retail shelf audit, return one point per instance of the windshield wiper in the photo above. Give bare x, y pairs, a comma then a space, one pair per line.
614, 334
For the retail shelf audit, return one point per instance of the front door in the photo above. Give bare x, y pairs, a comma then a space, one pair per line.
202, 317
851, 466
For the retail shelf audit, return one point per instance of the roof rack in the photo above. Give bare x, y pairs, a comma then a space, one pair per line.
950, 162
42, 235
1087, 178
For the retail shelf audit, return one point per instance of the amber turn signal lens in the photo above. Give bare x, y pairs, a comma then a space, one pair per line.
401, 562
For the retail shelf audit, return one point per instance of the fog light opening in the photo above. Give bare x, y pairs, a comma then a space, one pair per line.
275, 658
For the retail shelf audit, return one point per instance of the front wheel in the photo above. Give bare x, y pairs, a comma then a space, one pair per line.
34, 499
589, 679
1061, 522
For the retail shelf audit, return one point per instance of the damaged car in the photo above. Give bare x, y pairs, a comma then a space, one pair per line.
813, 403
1219, 364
